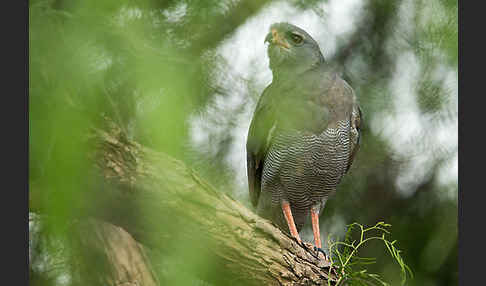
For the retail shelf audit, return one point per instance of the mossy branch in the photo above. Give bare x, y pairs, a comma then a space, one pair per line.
164, 204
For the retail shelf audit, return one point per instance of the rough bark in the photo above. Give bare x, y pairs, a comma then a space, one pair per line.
120, 260
250, 248
89, 252
162, 203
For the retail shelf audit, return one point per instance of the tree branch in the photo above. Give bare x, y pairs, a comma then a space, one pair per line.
251, 248
164, 204
120, 260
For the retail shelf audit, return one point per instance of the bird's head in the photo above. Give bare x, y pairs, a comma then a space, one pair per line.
291, 49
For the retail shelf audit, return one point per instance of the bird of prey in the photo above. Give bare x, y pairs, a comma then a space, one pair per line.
304, 133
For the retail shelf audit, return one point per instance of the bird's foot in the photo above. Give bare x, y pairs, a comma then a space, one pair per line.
323, 256
321, 253
307, 245
318, 252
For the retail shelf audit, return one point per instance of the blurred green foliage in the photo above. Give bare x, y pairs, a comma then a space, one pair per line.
150, 66
344, 255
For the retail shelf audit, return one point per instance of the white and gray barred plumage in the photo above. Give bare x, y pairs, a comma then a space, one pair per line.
303, 166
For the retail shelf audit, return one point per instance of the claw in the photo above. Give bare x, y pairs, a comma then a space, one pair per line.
320, 250
307, 245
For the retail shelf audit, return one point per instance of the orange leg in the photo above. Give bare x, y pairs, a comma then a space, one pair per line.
315, 227
290, 220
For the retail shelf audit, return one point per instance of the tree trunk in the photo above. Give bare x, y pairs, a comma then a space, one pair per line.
119, 259
163, 204
93, 253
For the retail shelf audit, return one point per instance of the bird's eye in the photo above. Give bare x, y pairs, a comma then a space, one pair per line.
298, 39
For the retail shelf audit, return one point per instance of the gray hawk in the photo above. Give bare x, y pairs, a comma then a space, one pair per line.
304, 133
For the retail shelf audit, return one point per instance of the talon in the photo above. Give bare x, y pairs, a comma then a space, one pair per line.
307, 245
318, 249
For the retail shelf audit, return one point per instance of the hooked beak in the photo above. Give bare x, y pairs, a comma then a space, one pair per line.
274, 38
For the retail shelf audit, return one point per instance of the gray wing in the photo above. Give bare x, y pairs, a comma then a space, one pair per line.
341, 89
356, 123
257, 143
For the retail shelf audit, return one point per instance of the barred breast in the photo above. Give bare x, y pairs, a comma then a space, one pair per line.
305, 168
